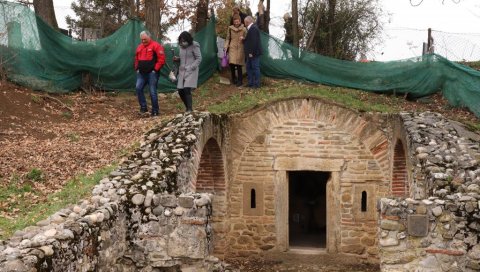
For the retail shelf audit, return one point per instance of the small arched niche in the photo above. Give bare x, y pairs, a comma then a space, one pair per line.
399, 186
211, 179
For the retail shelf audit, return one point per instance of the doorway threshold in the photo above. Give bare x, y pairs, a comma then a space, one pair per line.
307, 250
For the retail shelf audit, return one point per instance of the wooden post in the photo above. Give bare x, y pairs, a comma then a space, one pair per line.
430, 42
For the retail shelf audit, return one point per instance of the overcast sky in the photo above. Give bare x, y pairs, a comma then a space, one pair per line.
405, 26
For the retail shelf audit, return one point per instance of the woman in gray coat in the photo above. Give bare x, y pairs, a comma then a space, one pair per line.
189, 58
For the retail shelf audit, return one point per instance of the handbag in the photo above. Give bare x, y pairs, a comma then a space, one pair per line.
172, 76
224, 60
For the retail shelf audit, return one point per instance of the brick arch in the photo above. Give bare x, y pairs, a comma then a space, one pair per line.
211, 179
210, 176
262, 119
399, 187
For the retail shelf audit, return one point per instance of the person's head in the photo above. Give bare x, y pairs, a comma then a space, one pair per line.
248, 20
145, 37
185, 39
237, 20
236, 9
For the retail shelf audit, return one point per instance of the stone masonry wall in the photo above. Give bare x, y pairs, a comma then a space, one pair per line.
140, 217
297, 132
438, 227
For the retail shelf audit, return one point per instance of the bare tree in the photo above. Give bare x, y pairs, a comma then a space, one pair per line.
153, 17
263, 19
330, 23
201, 15
340, 28
296, 34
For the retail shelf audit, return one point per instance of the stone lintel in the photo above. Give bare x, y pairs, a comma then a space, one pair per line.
307, 164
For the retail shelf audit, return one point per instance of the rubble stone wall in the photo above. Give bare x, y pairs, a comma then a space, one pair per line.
141, 217
436, 228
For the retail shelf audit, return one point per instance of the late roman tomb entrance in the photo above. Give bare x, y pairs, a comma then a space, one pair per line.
307, 209
344, 157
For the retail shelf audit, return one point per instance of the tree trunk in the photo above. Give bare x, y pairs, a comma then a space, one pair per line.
201, 15
267, 18
132, 9
296, 38
44, 9
153, 17
314, 32
330, 21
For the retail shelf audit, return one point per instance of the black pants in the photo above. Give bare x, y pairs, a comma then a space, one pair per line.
237, 77
186, 96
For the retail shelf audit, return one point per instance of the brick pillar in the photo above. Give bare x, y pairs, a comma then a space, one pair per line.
399, 175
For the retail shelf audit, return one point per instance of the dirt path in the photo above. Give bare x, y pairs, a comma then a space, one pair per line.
283, 262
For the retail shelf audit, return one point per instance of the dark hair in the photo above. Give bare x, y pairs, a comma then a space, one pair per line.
185, 36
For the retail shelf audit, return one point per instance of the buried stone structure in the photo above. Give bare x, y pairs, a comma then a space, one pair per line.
402, 190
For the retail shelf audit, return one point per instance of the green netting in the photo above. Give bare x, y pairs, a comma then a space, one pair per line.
418, 77
37, 56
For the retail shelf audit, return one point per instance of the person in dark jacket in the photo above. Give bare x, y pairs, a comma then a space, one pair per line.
237, 11
149, 59
190, 58
253, 50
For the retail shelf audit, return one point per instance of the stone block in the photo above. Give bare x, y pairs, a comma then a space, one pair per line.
168, 201
188, 241
353, 249
417, 225
389, 225
351, 241
421, 209
368, 241
185, 201
475, 265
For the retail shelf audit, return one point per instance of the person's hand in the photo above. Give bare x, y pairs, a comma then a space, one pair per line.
153, 71
138, 71
175, 58
250, 55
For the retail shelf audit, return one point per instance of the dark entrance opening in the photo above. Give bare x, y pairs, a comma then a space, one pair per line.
307, 208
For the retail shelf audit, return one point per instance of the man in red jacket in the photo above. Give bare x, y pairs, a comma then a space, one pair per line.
149, 59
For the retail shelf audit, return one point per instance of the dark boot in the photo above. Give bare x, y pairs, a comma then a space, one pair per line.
232, 71
239, 76
181, 93
188, 99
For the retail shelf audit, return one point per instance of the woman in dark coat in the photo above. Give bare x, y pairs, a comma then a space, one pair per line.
189, 58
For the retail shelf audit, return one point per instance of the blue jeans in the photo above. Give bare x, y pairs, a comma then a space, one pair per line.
151, 79
253, 72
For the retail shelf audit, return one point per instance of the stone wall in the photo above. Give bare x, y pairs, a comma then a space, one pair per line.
143, 216
306, 135
203, 184
438, 227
